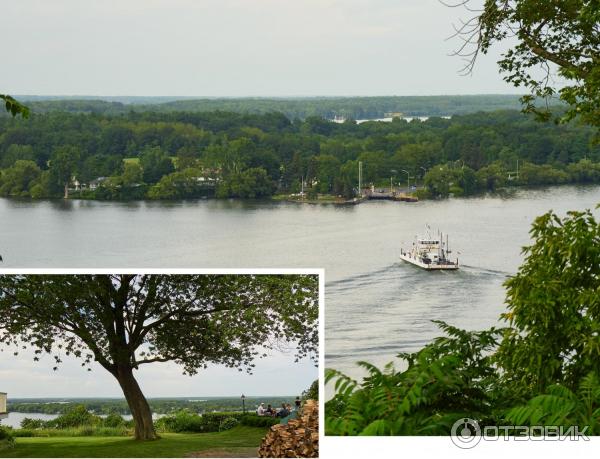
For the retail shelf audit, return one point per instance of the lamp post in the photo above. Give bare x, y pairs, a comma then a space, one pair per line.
424, 172
244, 403
407, 180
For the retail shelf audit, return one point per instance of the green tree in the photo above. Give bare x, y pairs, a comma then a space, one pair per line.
63, 164
251, 183
133, 174
125, 321
155, 163
560, 34
96, 166
554, 306
492, 177
187, 183
15, 152
347, 181
328, 168
18, 179
439, 180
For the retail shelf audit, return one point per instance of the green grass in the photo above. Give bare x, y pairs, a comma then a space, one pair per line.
237, 441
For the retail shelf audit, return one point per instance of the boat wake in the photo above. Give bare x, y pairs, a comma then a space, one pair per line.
364, 278
481, 270
408, 273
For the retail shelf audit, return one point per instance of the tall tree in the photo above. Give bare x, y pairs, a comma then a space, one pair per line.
155, 163
554, 306
547, 34
124, 321
63, 164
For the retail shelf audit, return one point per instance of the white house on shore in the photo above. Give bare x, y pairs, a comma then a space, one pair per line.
3, 411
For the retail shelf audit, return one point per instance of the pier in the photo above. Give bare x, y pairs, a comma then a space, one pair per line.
390, 194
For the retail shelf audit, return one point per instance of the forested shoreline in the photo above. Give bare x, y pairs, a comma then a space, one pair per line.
158, 405
177, 155
366, 107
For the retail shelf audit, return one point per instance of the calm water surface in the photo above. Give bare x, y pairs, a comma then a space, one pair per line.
14, 419
375, 305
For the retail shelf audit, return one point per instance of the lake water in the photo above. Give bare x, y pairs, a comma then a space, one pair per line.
14, 419
375, 306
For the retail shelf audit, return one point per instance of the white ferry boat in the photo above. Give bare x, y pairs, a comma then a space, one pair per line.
430, 253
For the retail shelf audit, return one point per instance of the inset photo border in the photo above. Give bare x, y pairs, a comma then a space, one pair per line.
209, 362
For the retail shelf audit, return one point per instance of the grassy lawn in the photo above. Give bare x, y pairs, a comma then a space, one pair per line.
240, 441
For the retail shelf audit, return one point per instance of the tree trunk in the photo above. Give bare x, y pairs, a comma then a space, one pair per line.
140, 410
66, 196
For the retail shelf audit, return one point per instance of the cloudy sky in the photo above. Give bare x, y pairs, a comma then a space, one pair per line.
274, 375
235, 48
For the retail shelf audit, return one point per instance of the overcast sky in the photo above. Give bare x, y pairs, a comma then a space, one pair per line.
274, 375
235, 48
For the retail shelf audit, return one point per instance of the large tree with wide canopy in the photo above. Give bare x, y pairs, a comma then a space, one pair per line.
123, 321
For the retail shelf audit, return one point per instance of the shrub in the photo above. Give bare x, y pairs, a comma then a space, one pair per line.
113, 420
23, 433
182, 421
6, 439
312, 393
75, 417
212, 421
228, 423
28, 423
186, 421
253, 420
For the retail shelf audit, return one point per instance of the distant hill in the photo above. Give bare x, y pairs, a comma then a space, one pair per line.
302, 108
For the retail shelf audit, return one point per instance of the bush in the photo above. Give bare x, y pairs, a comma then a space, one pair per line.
212, 421
75, 417
312, 393
6, 439
23, 433
113, 420
28, 423
186, 421
228, 423
182, 421
254, 420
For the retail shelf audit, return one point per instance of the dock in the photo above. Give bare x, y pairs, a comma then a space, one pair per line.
387, 194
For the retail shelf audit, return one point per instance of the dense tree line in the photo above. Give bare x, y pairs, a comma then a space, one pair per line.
157, 405
301, 107
190, 154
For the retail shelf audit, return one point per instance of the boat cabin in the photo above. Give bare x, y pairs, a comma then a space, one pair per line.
429, 242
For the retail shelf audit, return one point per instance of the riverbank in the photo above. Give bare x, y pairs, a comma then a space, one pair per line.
345, 240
